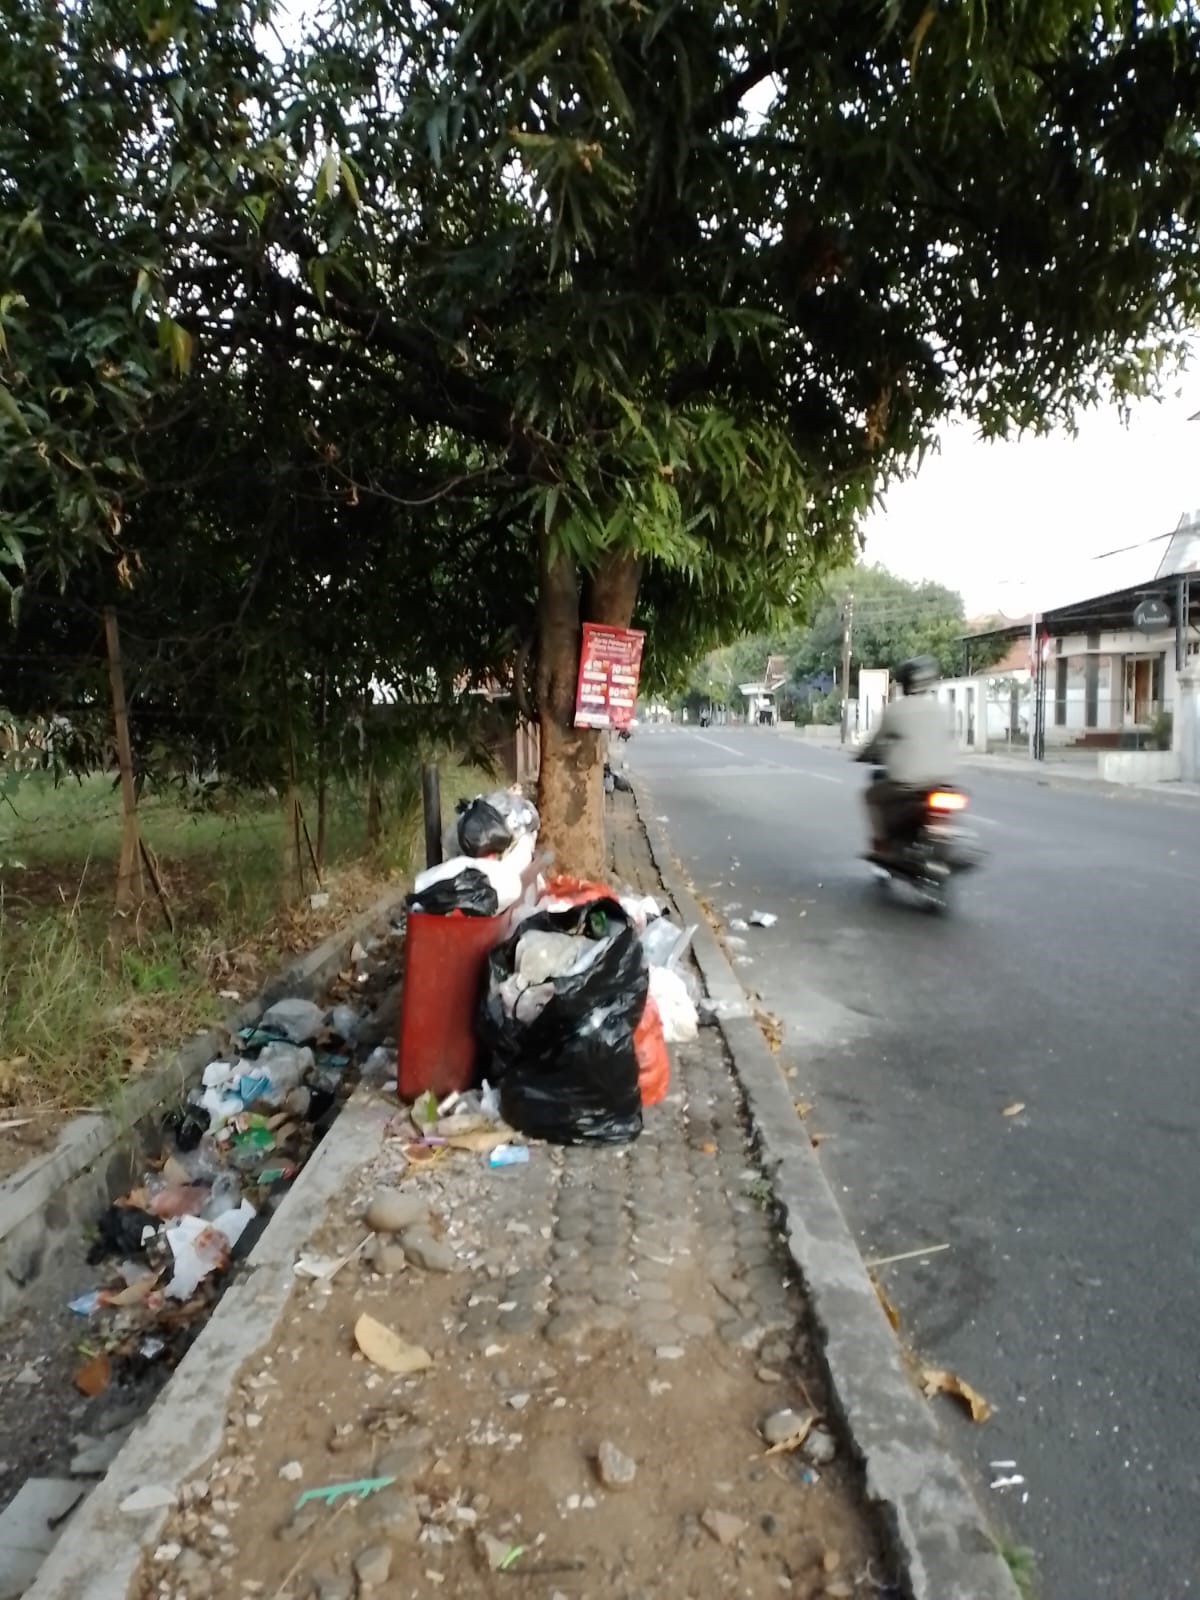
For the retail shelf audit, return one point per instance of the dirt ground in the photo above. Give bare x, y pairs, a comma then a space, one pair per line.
499, 1444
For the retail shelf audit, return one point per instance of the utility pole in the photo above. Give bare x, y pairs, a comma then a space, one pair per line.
847, 645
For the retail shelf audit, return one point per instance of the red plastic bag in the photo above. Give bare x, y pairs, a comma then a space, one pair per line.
654, 1065
576, 891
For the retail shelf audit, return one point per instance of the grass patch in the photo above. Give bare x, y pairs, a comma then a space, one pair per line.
87, 1000
1022, 1563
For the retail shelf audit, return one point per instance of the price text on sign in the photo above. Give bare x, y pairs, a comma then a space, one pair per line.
610, 664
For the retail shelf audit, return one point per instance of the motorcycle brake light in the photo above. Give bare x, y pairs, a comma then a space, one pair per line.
947, 800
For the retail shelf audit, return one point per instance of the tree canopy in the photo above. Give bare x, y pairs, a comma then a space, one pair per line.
568, 310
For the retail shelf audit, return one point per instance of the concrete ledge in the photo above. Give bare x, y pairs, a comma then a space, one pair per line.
98, 1556
47, 1203
1140, 766
938, 1534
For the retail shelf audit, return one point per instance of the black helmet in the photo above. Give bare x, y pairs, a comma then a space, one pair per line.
918, 675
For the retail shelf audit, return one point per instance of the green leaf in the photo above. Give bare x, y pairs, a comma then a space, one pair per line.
11, 410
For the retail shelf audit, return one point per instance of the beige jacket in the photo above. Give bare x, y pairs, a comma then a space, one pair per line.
914, 742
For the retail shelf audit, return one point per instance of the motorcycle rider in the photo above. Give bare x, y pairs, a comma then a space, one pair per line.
915, 747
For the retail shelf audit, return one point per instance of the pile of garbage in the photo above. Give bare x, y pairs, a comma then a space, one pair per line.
489, 851
229, 1154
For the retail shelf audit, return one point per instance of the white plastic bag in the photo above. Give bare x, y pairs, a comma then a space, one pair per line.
664, 943
679, 1019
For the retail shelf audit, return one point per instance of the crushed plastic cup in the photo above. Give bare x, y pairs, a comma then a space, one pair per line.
509, 1155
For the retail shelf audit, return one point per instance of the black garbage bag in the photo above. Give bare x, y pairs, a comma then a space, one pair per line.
469, 891
482, 831
570, 1075
119, 1232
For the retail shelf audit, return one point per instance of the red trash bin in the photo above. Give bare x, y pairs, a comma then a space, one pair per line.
445, 967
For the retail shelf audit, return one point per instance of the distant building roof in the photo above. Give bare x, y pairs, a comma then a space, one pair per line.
777, 672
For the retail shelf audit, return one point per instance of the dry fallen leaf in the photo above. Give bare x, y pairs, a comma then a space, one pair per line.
937, 1380
481, 1140
1014, 1110
139, 1058
889, 1309
135, 1293
388, 1350
794, 1440
94, 1376
803, 1107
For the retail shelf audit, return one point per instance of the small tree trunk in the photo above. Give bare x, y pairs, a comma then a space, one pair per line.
571, 783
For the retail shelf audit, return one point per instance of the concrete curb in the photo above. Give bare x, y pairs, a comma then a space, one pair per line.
98, 1555
1166, 794
45, 1204
938, 1534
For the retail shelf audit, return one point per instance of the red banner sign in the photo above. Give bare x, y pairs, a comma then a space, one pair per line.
610, 665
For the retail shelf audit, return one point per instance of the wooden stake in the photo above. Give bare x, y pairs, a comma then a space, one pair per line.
130, 887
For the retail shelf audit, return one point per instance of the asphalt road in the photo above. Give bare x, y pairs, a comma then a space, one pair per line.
1066, 977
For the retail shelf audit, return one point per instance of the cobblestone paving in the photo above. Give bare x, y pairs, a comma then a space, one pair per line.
667, 1238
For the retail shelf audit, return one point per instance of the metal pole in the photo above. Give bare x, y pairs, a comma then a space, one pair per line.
1034, 664
847, 646
431, 801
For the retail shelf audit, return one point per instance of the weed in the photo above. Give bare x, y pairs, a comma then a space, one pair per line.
82, 997
760, 1191
1022, 1563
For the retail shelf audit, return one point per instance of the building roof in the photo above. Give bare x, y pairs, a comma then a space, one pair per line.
1084, 602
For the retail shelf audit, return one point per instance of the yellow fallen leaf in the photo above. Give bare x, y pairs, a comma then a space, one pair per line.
1014, 1110
481, 1140
388, 1350
937, 1380
889, 1309
135, 1293
794, 1440
803, 1107
139, 1058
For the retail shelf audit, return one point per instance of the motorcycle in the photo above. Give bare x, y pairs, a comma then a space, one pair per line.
929, 846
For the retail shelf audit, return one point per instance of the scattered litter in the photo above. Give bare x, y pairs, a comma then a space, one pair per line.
1015, 1481
325, 1268
94, 1377
509, 1155
739, 925
359, 1488
937, 1380
763, 919
1014, 1110
151, 1497
14, 1122
905, 1255
388, 1350
318, 901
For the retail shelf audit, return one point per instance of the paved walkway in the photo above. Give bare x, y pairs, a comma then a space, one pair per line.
609, 1313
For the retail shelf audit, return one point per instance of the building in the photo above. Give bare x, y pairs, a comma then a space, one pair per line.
760, 697
1106, 665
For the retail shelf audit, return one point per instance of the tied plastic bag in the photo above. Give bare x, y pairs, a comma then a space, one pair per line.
654, 1064
569, 1074
465, 888
520, 814
482, 830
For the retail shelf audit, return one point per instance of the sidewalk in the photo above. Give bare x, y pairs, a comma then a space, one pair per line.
1064, 771
606, 1332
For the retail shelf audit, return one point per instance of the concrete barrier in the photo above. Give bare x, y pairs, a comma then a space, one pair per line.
1140, 766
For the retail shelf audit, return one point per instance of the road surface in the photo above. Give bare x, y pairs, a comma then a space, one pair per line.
1066, 978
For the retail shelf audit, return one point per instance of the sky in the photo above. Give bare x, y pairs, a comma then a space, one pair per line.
1013, 526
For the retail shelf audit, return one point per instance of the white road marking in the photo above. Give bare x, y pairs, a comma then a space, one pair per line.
799, 772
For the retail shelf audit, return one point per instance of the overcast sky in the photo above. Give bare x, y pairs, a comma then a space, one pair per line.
1012, 526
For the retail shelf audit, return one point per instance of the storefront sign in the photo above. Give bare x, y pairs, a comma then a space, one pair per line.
610, 664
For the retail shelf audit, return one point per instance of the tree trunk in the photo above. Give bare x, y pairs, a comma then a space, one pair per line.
571, 784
